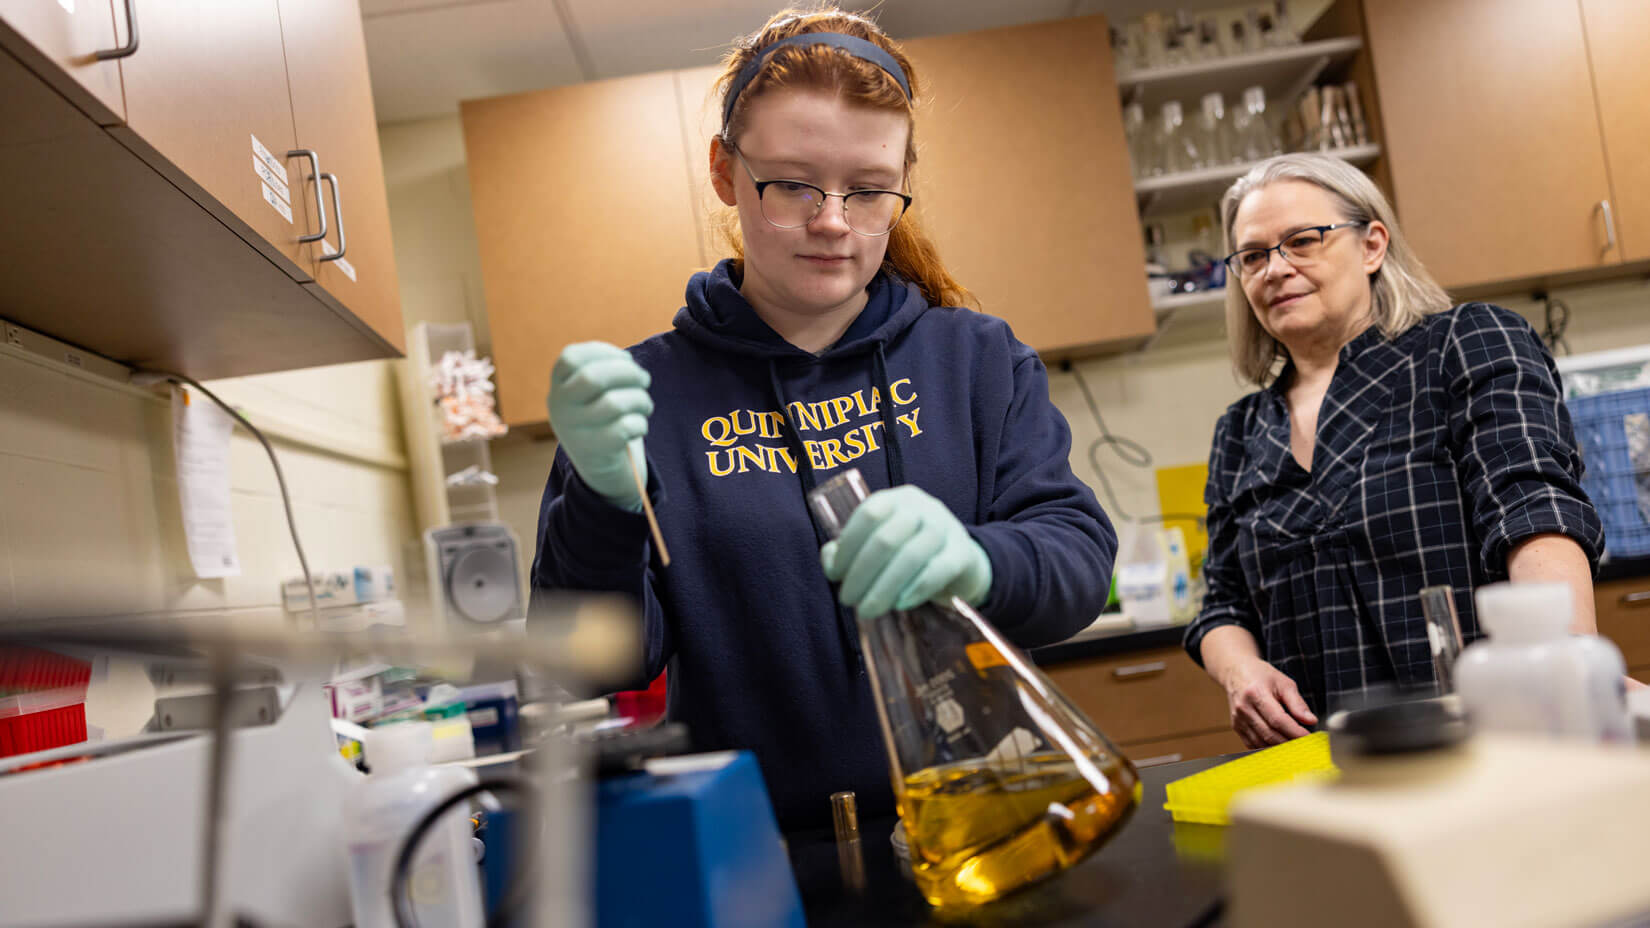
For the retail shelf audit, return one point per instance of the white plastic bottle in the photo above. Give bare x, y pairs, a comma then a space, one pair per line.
444, 884
1532, 675
1143, 583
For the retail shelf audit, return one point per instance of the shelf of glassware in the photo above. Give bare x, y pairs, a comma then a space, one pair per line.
1285, 72
1171, 193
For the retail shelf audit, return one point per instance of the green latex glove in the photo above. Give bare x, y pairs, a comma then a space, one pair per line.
902, 548
599, 406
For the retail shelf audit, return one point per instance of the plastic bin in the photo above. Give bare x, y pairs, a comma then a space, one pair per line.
42, 700
1611, 479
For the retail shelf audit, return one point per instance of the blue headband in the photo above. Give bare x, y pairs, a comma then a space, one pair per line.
853, 45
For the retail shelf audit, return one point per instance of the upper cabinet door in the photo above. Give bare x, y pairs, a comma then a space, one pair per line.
207, 90
1497, 165
585, 220
326, 58
69, 34
1023, 181
1616, 30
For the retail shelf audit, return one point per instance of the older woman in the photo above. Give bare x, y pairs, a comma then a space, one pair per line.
1396, 443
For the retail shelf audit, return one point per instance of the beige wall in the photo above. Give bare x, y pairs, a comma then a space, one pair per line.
89, 519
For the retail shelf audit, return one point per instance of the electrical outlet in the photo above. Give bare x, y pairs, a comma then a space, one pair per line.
14, 336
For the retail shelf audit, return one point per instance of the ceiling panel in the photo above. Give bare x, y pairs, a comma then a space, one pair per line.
425, 58
427, 55
637, 36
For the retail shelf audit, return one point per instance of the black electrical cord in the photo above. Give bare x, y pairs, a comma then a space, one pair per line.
1556, 315
401, 901
146, 376
1129, 451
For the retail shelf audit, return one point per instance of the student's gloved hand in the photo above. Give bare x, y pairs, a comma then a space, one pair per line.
902, 548
599, 405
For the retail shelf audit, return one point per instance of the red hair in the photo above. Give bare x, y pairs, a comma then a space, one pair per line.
910, 254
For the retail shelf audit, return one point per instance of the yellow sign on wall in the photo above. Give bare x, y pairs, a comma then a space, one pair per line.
1180, 498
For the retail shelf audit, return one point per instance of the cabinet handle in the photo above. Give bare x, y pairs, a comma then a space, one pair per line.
1641, 598
1139, 670
1609, 225
1157, 761
130, 48
320, 207
337, 213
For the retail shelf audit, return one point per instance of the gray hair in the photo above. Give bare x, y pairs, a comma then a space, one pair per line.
1402, 293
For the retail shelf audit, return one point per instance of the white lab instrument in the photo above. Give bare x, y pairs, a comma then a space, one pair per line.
1504, 830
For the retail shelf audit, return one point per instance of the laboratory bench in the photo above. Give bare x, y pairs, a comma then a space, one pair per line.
1154, 871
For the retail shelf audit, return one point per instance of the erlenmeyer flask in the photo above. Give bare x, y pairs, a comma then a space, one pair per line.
1000, 781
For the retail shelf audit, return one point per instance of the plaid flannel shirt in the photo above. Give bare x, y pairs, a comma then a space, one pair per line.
1437, 451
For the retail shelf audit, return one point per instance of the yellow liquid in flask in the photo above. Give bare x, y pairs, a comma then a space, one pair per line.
979, 831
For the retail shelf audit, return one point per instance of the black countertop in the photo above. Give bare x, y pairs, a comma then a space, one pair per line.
1121, 641
1153, 872
1622, 568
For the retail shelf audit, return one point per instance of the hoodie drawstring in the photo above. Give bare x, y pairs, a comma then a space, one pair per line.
894, 457
847, 627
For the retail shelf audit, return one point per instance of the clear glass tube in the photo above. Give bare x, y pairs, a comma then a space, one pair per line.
1000, 780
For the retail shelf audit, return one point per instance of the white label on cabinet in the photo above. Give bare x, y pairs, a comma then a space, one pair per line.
263, 171
277, 202
342, 263
274, 163
67, 5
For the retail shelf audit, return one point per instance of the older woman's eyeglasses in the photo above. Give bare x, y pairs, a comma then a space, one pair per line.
1302, 248
792, 204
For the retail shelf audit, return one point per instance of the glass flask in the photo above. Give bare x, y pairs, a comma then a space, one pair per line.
1142, 147
1255, 138
1176, 149
1213, 135
1000, 781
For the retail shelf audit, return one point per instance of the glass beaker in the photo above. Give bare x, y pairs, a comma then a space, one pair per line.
1000, 781
1443, 634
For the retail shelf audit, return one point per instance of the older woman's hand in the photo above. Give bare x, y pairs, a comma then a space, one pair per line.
1267, 707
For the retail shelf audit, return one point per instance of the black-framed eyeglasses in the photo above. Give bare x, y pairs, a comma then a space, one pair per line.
792, 204
1302, 248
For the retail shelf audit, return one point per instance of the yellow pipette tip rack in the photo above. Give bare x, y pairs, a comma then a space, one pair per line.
1205, 797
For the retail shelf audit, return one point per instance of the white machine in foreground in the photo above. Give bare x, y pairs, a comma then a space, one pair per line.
119, 835
1497, 830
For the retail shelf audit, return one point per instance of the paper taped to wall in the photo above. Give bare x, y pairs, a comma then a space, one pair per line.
200, 449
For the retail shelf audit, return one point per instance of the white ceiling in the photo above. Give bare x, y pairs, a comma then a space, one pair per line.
427, 55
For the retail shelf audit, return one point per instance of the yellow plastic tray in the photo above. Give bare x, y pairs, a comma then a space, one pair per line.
1205, 797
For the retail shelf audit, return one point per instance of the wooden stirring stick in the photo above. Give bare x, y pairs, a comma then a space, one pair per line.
647, 507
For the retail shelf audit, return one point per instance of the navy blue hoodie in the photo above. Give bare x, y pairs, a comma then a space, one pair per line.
760, 655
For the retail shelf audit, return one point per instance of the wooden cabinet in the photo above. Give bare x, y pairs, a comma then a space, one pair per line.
1497, 162
163, 212
1621, 73
1511, 124
1023, 181
1624, 618
1151, 703
62, 42
584, 221
201, 123
332, 113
